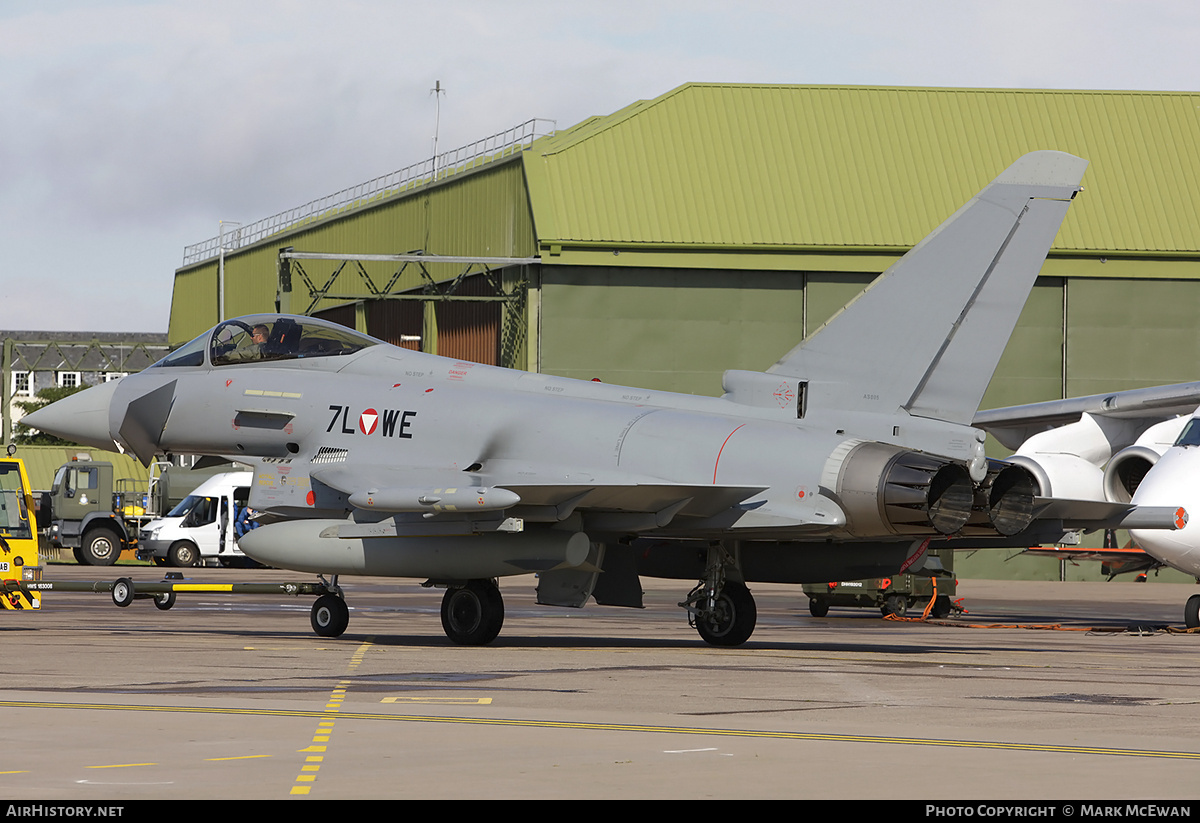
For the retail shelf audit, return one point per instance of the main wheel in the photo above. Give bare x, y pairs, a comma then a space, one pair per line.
818, 606
732, 621
330, 616
1191, 612
473, 614
122, 592
183, 554
101, 547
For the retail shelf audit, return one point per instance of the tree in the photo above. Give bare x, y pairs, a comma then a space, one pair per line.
27, 436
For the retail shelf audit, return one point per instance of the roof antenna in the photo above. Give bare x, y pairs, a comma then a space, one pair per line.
437, 91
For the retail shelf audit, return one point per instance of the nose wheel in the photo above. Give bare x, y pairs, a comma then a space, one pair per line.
1191, 612
330, 615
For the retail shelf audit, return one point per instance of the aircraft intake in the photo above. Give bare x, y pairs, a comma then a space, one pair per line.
888, 490
1125, 471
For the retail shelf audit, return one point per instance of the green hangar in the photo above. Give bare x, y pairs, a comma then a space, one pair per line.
713, 227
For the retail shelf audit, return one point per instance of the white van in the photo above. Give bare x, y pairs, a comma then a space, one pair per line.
202, 530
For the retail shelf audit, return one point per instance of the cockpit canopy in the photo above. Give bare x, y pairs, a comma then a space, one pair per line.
1190, 436
259, 338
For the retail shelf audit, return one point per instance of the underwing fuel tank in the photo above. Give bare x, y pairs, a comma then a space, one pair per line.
314, 546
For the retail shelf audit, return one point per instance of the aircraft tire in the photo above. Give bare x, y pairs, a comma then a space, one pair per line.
733, 621
1191, 612
818, 606
330, 616
101, 547
472, 615
164, 601
183, 554
122, 592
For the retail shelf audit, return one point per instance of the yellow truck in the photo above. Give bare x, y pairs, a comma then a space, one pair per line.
18, 533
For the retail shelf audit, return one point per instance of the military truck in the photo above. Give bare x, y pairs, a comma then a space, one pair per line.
97, 517
92, 515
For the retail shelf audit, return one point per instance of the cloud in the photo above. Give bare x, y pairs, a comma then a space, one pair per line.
137, 125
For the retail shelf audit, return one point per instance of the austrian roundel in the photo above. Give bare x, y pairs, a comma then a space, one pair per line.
367, 421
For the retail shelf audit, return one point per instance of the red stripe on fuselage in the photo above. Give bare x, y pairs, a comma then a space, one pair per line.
718, 463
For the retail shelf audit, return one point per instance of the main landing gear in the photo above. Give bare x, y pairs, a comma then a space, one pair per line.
472, 614
722, 610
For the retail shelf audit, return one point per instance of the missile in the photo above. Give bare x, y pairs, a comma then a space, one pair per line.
411, 499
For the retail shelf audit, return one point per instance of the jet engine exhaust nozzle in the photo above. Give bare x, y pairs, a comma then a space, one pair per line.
1003, 501
889, 490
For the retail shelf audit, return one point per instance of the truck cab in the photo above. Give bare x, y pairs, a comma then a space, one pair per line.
202, 530
88, 517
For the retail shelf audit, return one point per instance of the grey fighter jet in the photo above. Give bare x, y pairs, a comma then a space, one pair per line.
848, 458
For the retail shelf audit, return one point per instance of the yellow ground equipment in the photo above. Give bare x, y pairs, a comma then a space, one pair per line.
18, 534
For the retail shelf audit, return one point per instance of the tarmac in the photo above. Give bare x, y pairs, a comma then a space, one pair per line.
1040, 691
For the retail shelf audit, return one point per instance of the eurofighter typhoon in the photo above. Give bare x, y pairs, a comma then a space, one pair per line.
848, 458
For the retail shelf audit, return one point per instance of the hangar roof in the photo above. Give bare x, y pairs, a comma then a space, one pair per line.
837, 168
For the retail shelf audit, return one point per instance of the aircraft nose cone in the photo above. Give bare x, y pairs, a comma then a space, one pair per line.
1172, 482
82, 417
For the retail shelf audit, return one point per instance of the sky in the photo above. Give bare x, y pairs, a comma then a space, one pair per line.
131, 129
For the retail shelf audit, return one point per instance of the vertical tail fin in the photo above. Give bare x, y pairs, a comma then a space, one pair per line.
927, 334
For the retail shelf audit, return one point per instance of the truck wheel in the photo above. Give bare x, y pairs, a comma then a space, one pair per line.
183, 554
101, 547
942, 606
164, 601
818, 607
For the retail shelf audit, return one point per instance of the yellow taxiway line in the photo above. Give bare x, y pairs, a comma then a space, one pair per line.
623, 727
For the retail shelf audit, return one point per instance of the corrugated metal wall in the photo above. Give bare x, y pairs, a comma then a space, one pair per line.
468, 330
482, 213
391, 320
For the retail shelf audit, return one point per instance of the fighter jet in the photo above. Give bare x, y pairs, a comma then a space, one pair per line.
1140, 446
846, 459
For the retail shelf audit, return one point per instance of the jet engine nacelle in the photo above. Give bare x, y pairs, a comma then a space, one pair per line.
1125, 471
1062, 475
888, 490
